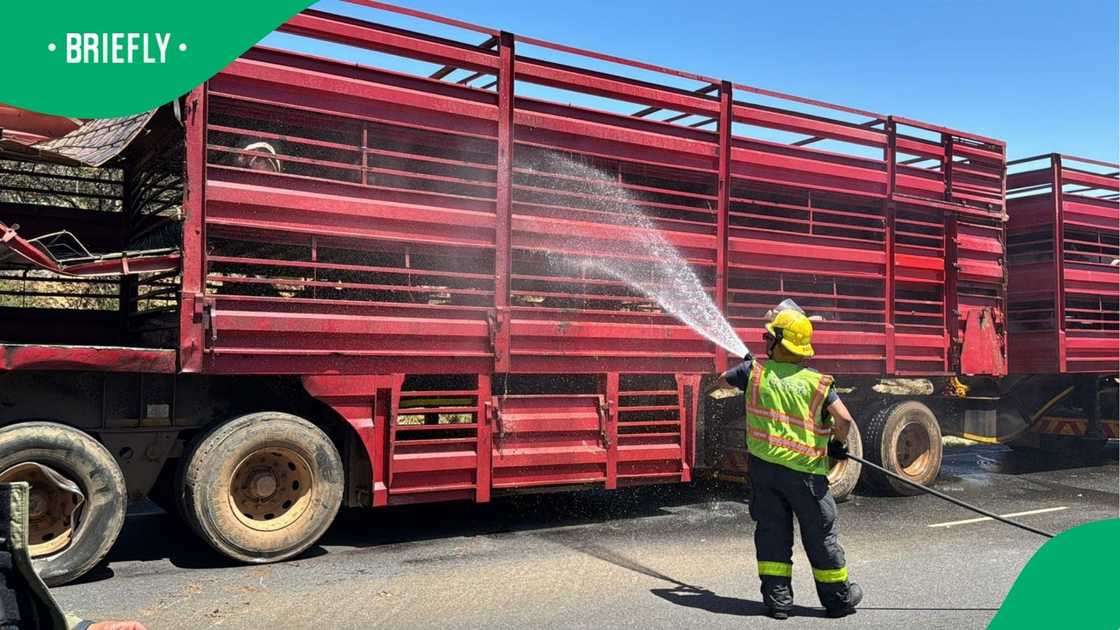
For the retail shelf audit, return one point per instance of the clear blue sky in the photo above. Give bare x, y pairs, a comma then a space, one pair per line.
1041, 75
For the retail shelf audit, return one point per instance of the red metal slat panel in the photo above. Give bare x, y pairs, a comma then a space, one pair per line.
605, 85
402, 197
549, 439
1092, 180
255, 78
774, 118
535, 122
274, 208
91, 358
352, 32
439, 460
1026, 179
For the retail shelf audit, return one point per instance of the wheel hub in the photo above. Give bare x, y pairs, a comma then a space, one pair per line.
271, 488
36, 504
262, 485
53, 506
913, 447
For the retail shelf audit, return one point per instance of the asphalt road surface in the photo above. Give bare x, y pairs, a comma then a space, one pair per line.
662, 557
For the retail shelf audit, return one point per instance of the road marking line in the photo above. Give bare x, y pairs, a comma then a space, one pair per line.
988, 518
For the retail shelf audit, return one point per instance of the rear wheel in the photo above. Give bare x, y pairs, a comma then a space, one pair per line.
844, 473
263, 487
77, 501
904, 438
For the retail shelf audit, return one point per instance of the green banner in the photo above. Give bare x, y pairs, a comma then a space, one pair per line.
101, 59
1069, 583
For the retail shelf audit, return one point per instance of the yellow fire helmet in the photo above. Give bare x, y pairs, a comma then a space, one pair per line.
795, 331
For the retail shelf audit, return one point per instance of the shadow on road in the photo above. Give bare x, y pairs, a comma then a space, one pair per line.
151, 534
946, 609
709, 601
682, 593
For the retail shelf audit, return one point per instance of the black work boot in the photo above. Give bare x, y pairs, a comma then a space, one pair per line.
777, 594
855, 596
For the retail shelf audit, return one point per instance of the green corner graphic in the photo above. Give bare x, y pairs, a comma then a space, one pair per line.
103, 59
1070, 582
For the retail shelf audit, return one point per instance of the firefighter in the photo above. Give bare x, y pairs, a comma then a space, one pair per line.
25, 602
791, 414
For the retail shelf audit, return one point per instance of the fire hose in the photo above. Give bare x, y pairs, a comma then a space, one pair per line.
942, 495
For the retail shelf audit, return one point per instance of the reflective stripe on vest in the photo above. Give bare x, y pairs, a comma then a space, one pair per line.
808, 451
783, 412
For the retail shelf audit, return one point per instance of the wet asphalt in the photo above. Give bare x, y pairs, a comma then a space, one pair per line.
654, 557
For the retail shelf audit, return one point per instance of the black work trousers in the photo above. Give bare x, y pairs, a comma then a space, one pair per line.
778, 493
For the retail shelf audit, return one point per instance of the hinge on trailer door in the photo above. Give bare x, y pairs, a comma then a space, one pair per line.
604, 409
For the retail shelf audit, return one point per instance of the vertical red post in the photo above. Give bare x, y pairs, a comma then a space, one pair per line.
394, 403
503, 204
191, 334
889, 154
888, 293
952, 323
688, 388
1059, 233
947, 169
379, 458
482, 444
1002, 316
612, 429
129, 289
723, 208
888, 236
365, 153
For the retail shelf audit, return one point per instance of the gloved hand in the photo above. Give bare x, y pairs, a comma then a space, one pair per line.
837, 449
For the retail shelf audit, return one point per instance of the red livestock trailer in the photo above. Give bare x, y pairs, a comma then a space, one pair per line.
336, 276
1063, 249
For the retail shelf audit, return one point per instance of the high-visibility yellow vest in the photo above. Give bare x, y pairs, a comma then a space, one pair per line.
784, 423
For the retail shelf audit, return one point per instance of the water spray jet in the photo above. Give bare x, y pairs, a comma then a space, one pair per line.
660, 273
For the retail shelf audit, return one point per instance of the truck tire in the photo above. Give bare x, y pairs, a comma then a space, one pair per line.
904, 438
844, 474
262, 487
78, 496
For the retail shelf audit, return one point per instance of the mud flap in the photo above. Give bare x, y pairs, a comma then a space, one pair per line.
982, 351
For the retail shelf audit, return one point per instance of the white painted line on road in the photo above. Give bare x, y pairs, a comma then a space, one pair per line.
988, 518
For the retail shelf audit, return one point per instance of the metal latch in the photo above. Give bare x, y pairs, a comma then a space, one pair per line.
496, 418
209, 320
492, 329
604, 409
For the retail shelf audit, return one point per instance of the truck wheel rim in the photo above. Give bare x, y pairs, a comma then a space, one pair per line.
271, 488
913, 449
836, 470
54, 503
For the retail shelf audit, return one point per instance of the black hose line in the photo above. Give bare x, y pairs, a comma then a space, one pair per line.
950, 499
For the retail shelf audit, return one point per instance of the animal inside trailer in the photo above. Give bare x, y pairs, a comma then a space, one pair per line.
372, 299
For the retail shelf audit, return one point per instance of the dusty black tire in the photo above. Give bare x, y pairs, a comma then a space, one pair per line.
904, 438
221, 501
844, 474
84, 461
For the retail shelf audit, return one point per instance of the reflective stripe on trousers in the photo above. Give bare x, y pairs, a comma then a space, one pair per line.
779, 494
778, 569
